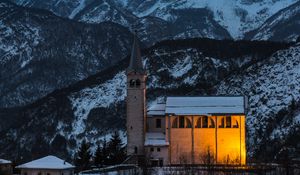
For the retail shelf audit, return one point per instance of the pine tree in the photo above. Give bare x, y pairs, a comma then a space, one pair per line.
82, 160
116, 150
98, 157
101, 155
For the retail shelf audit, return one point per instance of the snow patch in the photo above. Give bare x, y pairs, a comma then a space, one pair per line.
103, 95
182, 67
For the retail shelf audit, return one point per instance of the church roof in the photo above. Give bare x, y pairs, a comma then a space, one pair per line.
135, 64
48, 162
155, 139
205, 105
157, 109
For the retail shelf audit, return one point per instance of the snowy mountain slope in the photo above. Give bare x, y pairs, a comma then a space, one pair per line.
91, 11
187, 25
105, 10
94, 107
153, 29
40, 52
237, 16
271, 87
284, 25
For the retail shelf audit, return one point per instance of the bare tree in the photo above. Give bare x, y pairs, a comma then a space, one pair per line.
208, 159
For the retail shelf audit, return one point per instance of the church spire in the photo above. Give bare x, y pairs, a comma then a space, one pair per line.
136, 64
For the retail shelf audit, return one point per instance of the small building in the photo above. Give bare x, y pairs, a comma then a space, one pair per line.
5, 167
49, 165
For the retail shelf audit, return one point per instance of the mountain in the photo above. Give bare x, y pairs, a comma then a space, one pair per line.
216, 19
41, 52
95, 107
284, 25
200, 25
95, 11
236, 16
91, 11
105, 10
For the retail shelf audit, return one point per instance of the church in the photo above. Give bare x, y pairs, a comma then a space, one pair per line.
182, 130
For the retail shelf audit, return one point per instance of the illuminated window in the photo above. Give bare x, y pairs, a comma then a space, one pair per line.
158, 123
175, 123
204, 122
222, 125
198, 124
138, 83
181, 122
228, 122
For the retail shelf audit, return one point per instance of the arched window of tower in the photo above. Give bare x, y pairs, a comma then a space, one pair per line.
138, 83
132, 83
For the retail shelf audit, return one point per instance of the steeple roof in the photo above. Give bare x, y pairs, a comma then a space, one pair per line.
136, 64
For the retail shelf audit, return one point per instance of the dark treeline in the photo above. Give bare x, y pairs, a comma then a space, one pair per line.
108, 153
223, 48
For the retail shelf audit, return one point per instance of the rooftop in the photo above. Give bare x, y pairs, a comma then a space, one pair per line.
155, 139
3, 161
157, 109
205, 105
48, 162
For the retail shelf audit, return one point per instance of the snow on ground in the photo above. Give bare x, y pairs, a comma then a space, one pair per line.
80, 6
181, 67
265, 31
29, 37
103, 95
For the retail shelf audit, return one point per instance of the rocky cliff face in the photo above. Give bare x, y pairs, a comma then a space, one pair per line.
40, 52
283, 26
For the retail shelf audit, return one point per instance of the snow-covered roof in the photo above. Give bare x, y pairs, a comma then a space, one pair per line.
3, 161
205, 105
157, 109
155, 139
48, 162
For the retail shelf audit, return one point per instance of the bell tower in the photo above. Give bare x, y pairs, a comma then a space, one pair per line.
136, 102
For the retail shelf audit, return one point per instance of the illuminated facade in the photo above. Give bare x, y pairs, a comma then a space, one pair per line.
183, 130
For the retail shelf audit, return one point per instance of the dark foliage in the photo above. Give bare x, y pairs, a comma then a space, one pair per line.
116, 150
83, 157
